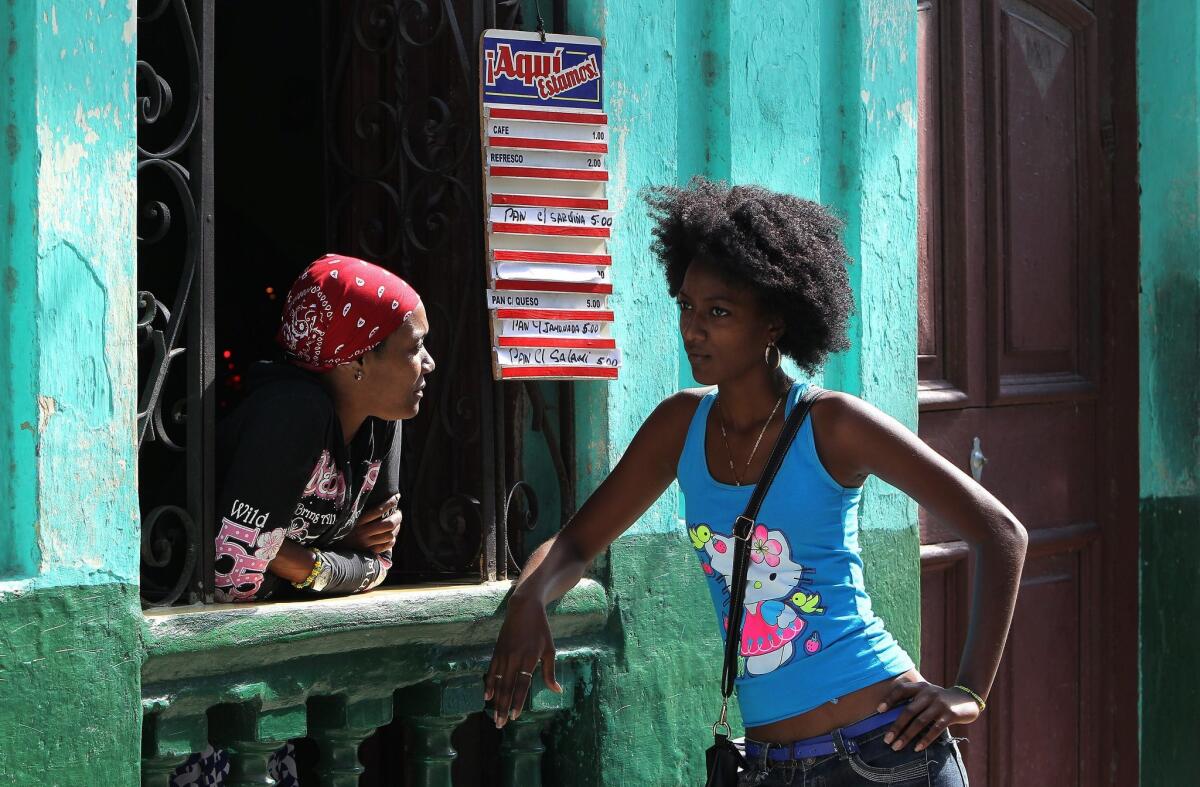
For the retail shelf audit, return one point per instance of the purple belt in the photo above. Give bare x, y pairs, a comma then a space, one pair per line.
822, 745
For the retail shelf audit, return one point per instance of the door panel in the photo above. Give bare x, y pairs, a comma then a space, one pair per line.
1040, 673
931, 327
1015, 263
1042, 138
1038, 457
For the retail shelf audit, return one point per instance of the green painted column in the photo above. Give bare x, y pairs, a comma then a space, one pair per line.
167, 741
70, 654
169, 737
248, 763
251, 733
431, 712
750, 93
522, 749
339, 727
1168, 78
868, 175
430, 754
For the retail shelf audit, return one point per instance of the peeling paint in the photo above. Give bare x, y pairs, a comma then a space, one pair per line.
90, 135
68, 560
46, 409
129, 32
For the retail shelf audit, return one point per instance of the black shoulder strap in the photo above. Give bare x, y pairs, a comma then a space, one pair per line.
743, 528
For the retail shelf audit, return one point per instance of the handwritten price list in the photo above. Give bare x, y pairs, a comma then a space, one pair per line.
547, 216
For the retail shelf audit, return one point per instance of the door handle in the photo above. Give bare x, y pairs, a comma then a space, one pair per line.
978, 460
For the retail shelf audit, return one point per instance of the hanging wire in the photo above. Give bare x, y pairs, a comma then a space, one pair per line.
541, 23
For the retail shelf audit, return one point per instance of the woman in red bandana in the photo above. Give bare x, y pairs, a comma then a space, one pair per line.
311, 458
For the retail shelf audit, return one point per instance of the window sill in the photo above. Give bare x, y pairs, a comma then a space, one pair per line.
267, 633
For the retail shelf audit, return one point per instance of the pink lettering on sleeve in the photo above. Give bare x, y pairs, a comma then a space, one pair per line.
244, 575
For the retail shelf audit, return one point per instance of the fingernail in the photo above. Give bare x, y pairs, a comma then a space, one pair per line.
512, 714
898, 745
888, 738
918, 747
882, 707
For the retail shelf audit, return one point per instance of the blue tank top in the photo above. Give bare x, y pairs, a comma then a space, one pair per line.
809, 635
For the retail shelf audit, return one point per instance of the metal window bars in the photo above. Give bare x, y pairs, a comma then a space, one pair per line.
402, 185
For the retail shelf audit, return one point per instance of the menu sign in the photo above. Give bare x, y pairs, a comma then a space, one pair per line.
546, 212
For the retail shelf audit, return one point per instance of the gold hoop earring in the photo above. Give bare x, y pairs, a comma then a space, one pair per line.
358, 375
767, 356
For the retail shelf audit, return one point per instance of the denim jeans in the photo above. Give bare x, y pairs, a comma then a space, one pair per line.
940, 765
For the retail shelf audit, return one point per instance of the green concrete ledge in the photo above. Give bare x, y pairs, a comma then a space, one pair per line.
203, 640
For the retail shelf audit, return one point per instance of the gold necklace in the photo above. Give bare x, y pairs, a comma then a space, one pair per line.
721, 414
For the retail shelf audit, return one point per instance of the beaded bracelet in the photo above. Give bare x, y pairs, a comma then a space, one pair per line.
318, 564
978, 700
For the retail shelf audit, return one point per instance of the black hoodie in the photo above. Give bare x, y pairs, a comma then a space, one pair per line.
287, 473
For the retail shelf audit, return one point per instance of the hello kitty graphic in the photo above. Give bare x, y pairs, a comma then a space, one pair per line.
774, 599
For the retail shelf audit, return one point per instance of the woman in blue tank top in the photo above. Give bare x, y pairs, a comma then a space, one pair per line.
827, 694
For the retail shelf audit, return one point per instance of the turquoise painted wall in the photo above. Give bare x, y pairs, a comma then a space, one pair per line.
18, 201
1169, 355
69, 619
813, 98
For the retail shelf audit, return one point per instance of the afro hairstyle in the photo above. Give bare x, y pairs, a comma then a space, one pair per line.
788, 250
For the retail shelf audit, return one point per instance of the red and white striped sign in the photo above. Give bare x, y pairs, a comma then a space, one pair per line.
498, 130
552, 286
550, 272
557, 356
545, 173
544, 201
513, 113
565, 329
565, 257
551, 217
547, 215
546, 341
557, 373
526, 299
533, 143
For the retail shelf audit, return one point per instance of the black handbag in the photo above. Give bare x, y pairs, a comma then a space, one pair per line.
723, 758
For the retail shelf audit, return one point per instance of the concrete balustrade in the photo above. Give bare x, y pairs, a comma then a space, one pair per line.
335, 671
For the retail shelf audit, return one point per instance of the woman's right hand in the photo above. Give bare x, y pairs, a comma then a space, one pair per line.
524, 639
377, 528
646, 469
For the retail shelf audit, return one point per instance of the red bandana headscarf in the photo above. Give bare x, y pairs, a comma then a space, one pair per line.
340, 308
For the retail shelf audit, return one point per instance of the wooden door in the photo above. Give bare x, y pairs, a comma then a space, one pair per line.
1025, 332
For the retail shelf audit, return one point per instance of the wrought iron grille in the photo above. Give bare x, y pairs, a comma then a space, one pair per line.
175, 360
402, 187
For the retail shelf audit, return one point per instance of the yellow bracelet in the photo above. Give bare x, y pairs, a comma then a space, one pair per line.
318, 564
978, 700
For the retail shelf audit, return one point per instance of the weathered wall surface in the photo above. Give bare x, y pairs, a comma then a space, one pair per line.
1169, 347
812, 98
809, 97
69, 618
868, 173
